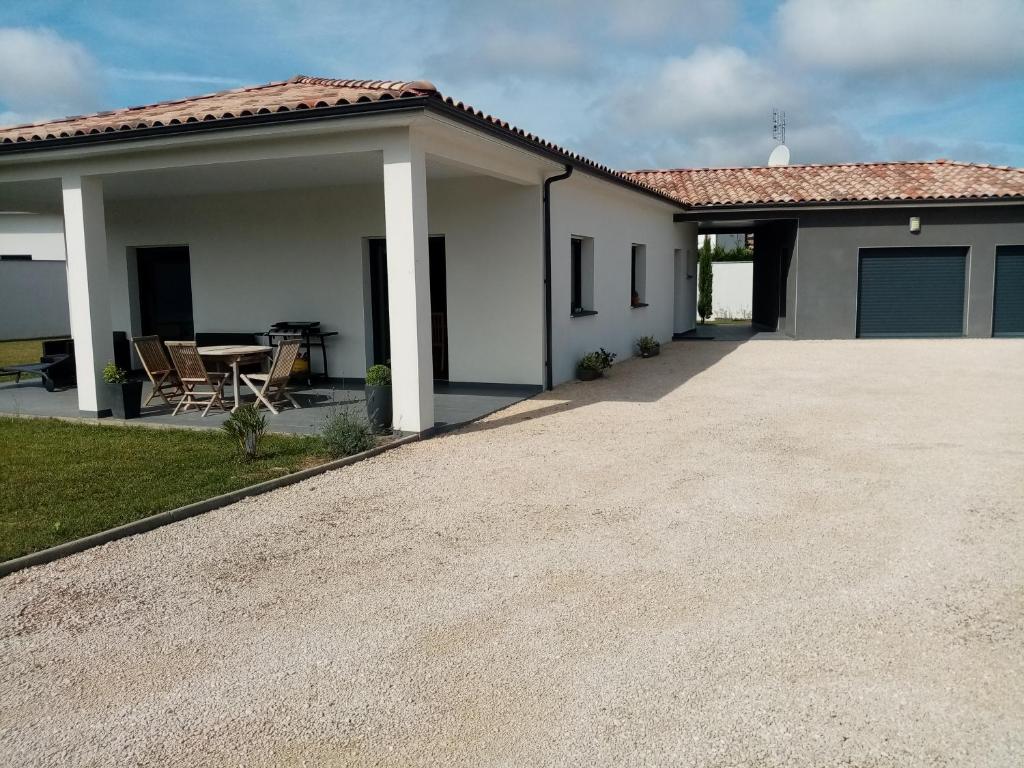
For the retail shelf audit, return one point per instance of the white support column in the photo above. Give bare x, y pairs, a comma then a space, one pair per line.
85, 236
405, 210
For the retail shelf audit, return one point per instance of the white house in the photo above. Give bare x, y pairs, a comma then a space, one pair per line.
231, 211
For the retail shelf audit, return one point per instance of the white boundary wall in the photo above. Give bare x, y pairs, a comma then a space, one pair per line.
38, 235
732, 289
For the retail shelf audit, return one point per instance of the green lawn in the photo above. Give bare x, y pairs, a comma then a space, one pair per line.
60, 480
20, 351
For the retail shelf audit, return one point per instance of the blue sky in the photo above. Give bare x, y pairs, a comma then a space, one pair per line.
633, 83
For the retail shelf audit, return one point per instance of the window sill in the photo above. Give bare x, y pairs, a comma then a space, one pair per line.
639, 305
583, 313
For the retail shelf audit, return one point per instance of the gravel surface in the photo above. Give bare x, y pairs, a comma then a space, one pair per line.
760, 554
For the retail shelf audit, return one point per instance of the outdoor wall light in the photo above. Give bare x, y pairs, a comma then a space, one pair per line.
915, 224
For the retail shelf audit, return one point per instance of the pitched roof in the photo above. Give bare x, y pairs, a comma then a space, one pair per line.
843, 183
300, 96
299, 92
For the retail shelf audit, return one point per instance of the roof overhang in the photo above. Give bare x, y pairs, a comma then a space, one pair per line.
706, 213
23, 151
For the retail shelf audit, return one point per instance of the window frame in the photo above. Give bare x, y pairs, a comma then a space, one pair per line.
638, 276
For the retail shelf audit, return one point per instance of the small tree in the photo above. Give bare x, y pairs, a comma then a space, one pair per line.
704, 279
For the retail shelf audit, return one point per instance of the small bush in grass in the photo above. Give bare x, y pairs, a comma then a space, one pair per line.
346, 434
247, 426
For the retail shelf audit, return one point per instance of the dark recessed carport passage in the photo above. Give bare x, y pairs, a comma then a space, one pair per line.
1008, 306
911, 292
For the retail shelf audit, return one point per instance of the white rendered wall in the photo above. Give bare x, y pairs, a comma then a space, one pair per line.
493, 246
732, 289
615, 218
39, 235
298, 254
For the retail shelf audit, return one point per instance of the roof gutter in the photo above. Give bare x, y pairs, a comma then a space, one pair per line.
695, 213
548, 362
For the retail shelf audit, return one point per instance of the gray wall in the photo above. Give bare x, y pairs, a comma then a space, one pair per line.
821, 281
826, 272
33, 299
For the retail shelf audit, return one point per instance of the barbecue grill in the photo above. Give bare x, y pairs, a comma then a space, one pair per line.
310, 334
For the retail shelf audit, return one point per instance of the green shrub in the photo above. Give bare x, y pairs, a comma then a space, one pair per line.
114, 375
378, 376
646, 344
346, 434
736, 254
704, 279
247, 426
596, 361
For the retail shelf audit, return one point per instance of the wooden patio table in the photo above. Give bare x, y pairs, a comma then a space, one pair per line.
234, 355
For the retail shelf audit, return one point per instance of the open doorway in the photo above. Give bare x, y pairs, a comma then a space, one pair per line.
380, 326
165, 292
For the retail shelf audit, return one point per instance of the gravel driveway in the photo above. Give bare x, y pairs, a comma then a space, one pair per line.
771, 553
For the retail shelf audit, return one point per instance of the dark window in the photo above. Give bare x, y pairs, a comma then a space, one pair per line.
632, 274
16, 257
577, 275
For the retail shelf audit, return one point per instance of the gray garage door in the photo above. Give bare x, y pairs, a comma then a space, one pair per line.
911, 292
1008, 311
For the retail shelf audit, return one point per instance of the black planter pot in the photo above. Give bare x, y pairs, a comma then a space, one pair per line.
378, 408
127, 400
588, 374
652, 352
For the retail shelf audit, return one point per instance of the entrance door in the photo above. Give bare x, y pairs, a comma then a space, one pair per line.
165, 293
911, 292
380, 323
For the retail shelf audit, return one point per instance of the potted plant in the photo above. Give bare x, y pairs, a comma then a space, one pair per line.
378, 398
593, 364
648, 346
127, 400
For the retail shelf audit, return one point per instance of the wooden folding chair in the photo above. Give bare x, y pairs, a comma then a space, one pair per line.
271, 388
193, 375
158, 368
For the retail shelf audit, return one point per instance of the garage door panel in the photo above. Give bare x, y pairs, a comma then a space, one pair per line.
1008, 304
911, 292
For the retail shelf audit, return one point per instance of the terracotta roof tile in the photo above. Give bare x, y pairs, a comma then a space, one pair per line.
849, 182
299, 93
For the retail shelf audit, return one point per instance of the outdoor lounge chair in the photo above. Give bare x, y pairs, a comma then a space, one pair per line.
159, 369
55, 370
194, 378
271, 388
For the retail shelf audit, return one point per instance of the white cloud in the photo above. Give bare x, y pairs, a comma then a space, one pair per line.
44, 75
151, 76
904, 37
715, 107
654, 19
502, 53
720, 86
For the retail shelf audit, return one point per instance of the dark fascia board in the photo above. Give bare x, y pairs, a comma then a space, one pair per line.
750, 211
405, 104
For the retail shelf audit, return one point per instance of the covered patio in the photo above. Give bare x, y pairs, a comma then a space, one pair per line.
453, 404
416, 245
